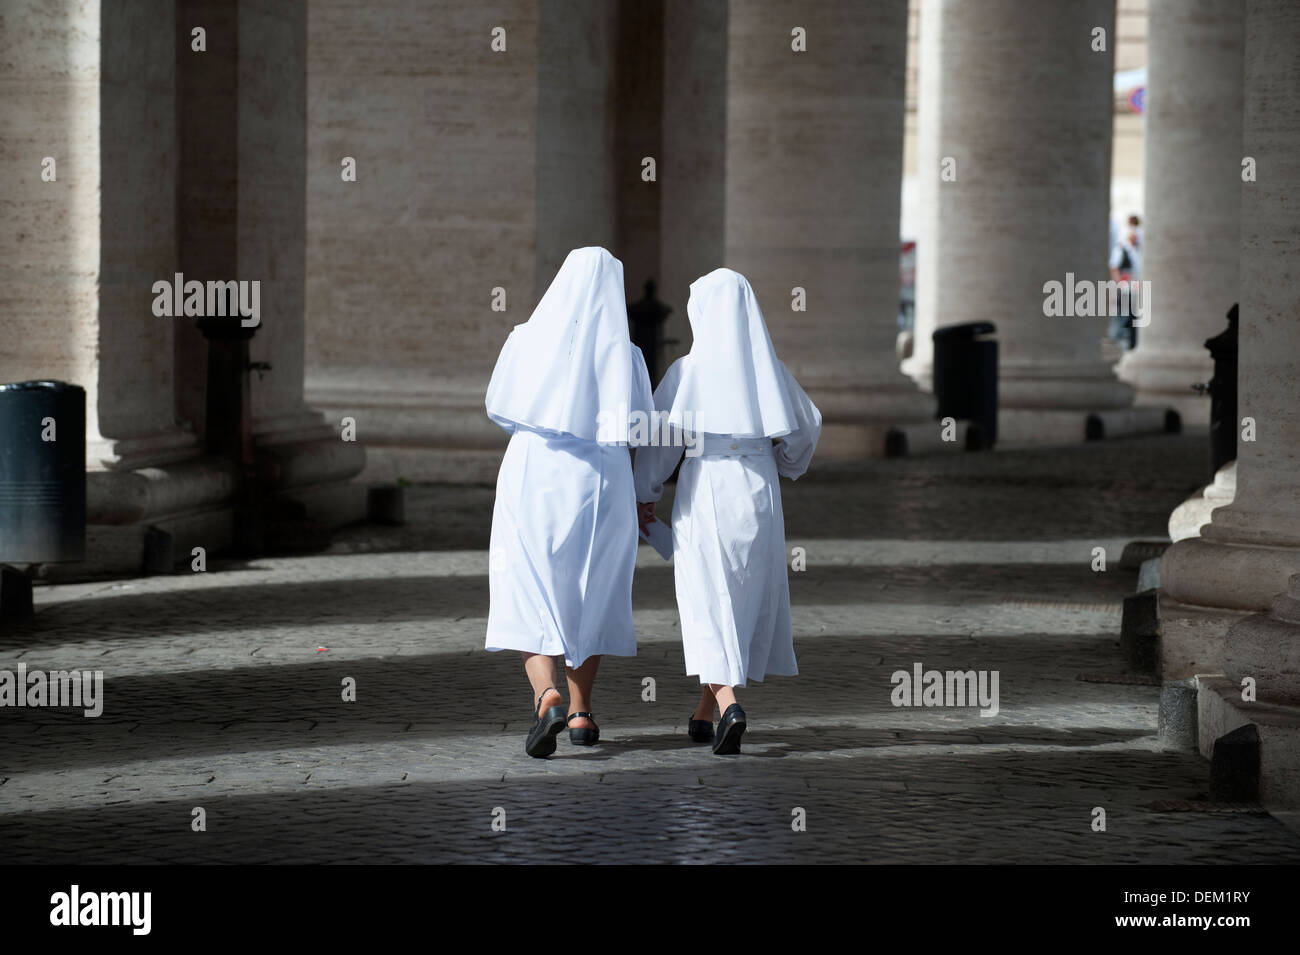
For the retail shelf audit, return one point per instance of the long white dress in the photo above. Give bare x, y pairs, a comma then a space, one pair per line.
564, 537
729, 551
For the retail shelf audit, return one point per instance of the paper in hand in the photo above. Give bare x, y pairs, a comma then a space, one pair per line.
659, 536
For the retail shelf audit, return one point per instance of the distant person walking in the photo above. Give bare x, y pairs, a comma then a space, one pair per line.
1126, 268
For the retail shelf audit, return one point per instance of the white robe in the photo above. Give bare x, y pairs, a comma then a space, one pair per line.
564, 536
563, 549
729, 540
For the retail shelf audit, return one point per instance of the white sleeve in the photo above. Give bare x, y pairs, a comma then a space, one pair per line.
642, 399
653, 466
654, 463
795, 450
1116, 255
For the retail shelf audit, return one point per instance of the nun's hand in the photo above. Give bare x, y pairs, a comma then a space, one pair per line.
645, 513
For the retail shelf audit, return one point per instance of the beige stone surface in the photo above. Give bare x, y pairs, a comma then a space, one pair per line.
401, 264
79, 255
1023, 109
1246, 554
812, 199
1220, 710
692, 171
1193, 196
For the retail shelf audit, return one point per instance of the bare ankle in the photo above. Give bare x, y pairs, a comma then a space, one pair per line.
724, 695
549, 698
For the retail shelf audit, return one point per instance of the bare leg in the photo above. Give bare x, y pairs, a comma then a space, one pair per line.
724, 695
543, 674
704, 710
580, 681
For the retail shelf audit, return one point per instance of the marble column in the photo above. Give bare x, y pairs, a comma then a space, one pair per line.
638, 88
81, 251
477, 169
814, 144
1015, 145
692, 170
931, 77
242, 217
1250, 549
98, 88
1248, 557
1194, 513
91, 86
1193, 196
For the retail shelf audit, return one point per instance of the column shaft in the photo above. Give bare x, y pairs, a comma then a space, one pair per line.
813, 172
1023, 119
1193, 196
1248, 551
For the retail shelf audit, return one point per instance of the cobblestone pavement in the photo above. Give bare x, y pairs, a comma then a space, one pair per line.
218, 696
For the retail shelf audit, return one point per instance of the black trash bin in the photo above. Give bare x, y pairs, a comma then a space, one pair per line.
1223, 394
42, 472
966, 376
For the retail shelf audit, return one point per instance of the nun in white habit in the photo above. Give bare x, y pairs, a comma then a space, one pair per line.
564, 533
734, 397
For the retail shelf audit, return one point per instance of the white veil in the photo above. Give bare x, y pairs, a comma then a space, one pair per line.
572, 367
731, 382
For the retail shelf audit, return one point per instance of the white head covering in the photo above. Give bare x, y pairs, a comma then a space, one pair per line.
571, 367
731, 382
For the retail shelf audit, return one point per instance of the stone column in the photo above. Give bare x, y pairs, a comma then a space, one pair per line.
931, 76
638, 89
1022, 119
692, 170
243, 164
98, 88
92, 87
82, 250
1249, 550
814, 154
49, 257
1193, 196
477, 169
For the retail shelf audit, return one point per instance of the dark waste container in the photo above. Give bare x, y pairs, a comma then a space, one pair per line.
966, 376
1223, 394
42, 472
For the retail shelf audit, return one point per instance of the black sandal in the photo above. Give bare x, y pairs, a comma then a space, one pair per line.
700, 731
730, 729
541, 738
582, 736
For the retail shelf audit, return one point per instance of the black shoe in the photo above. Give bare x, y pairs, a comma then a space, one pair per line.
730, 729
700, 731
583, 736
541, 738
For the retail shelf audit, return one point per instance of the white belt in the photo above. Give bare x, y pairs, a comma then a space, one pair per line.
716, 445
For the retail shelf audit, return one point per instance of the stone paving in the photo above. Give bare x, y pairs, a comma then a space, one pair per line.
218, 696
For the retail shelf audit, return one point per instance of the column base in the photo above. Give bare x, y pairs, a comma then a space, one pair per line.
149, 519
1166, 378
161, 544
1266, 647
1039, 427
1220, 710
1213, 573
920, 370
130, 454
865, 421
386, 464
432, 431
1194, 513
1061, 387
1192, 639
